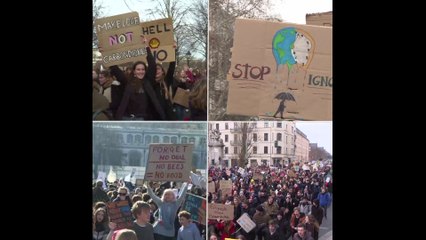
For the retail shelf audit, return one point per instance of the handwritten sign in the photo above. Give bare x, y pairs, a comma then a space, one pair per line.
226, 186
169, 162
221, 211
159, 36
139, 182
120, 213
257, 176
119, 37
246, 223
281, 70
211, 187
196, 205
241, 170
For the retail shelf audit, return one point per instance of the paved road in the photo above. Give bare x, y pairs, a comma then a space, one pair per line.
326, 227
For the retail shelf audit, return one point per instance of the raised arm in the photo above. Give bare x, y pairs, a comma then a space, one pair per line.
154, 197
183, 194
152, 68
170, 73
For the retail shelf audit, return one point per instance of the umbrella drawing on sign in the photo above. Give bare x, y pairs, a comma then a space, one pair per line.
283, 96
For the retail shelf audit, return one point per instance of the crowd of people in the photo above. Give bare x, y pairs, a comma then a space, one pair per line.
282, 202
154, 217
146, 91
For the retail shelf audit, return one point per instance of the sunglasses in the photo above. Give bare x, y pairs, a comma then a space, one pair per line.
122, 194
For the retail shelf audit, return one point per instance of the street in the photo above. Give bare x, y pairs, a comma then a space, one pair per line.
325, 232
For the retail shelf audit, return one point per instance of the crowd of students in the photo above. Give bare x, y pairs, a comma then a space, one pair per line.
146, 91
154, 217
282, 202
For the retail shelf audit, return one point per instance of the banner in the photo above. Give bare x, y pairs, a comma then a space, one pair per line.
281, 70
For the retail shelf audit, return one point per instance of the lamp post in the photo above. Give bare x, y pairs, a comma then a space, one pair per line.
188, 55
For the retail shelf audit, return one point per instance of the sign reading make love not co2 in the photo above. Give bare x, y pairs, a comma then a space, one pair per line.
169, 162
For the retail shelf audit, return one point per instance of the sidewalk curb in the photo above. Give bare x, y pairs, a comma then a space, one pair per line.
327, 236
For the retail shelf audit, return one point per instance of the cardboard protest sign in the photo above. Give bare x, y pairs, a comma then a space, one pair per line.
181, 97
120, 39
211, 187
169, 162
246, 223
281, 70
159, 36
196, 205
221, 211
120, 213
226, 186
139, 182
241, 170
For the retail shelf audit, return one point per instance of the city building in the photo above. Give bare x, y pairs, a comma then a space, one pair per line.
320, 19
317, 153
267, 142
116, 145
301, 147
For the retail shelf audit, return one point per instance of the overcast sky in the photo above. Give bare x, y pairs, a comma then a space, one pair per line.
318, 132
290, 10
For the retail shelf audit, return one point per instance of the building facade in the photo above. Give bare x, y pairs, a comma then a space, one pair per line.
268, 142
317, 153
301, 147
118, 146
320, 19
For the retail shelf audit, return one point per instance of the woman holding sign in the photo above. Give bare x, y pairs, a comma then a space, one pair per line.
164, 226
139, 100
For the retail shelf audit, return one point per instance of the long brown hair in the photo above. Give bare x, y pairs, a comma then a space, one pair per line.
198, 95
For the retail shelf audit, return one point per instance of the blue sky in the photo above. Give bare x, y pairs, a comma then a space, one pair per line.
318, 132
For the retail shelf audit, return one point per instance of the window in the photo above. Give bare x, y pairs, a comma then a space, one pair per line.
138, 139
203, 141
235, 138
235, 125
279, 136
148, 139
265, 124
226, 150
279, 150
156, 139
254, 150
129, 138
254, 137
226, 137
265, 137
286, 139
254, 125
184, 140
235, 150
265, 162
226, 126
217, 126
212, 162
166, 139
192, 140
265, 149
174, 139
279, 125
